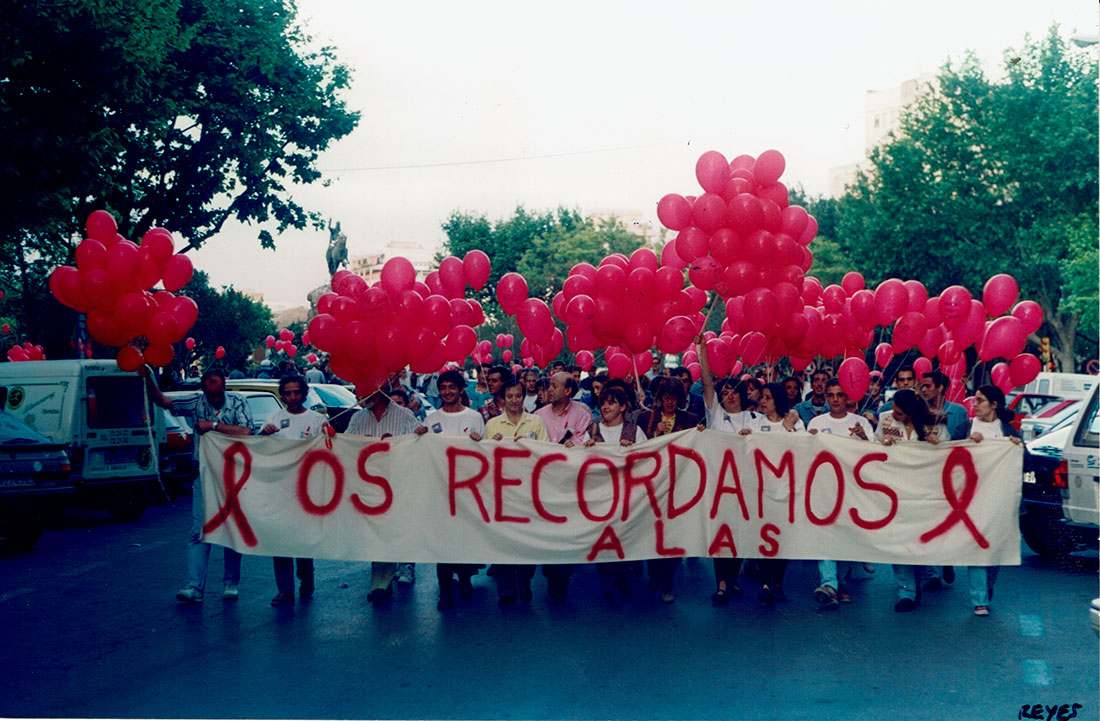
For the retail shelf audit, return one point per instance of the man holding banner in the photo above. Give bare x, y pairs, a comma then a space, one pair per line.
837, 422
382, 419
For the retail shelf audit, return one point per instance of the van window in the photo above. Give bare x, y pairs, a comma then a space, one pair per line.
1044, 386
1088, 433
115, 402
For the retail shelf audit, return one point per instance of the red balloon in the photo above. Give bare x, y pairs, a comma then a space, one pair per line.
103, 328
580, 311
324, 330
705, 272
954, 306
91, 255
189, 344
129, 358
918, 298
852, 282
709, 213
219, 352
476, 268
97, 287
534, 319
832, 299
669, 257
638, 337
391, 347
101, 225
186, 311
133, 313
746, 213
585, 359
452, 276
884, 353
511, 292
1001, 375
999, 294
712, 170
854, 377
1004, 338
752, 348
921, 366
177, 272
162, 331
769, 167
398, 275
270, 341
619, 365
793, 221
408, 309
1030, 314
776, 193
741, 276
691, 243
1025, 367
760, 310
160, 244
891, 300
674, 212
643, 258
159, 355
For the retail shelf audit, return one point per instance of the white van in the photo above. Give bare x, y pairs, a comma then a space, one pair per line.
104, 419
1071, 386
1081, 496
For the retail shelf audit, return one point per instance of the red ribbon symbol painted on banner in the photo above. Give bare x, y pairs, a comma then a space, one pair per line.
959, 457
233, 488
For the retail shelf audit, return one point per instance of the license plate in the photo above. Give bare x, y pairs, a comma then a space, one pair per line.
1029, 476
16, 482
113, 456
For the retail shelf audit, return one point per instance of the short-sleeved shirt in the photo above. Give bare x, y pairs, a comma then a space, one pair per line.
296, 426
529, 426
577, 419
195, 408
825, 423
314, 375
462, 423
766, 426
719, 419
395, 421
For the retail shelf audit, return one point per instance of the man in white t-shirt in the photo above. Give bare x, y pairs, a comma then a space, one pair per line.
837, 422
295, 422
453, 419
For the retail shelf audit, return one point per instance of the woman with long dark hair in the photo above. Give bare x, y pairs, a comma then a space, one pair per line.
992, 420
907, 421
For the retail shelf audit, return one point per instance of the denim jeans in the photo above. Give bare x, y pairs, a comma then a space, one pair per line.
198, 551
981, 580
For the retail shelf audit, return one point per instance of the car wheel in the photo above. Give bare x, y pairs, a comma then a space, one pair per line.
1048, 536
18, 536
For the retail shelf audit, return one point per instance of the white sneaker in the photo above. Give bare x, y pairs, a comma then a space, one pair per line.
189, 595
406, 574
231, 593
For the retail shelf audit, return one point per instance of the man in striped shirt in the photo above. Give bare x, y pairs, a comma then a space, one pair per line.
382, 419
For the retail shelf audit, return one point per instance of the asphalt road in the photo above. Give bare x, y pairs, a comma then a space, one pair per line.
92, 629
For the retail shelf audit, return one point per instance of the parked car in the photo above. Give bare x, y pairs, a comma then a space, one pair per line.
177, 461
1094, 615
1049, 416
340, 404
1024, 404
313, 401
261, 404
1060, 513
34, 482
1074, 386
102, 417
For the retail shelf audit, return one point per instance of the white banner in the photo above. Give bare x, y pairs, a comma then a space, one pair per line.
435, 498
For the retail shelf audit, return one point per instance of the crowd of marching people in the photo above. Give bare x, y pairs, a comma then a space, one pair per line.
559, 407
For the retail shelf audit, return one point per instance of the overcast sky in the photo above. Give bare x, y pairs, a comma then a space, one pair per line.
482, 106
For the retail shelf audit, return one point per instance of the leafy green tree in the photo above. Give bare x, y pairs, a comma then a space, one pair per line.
181, 113
992, 177
227, 318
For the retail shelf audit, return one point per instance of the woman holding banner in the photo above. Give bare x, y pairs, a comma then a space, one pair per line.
725, 405
614, 428
776, 416
908, 421
991, 420
511, 425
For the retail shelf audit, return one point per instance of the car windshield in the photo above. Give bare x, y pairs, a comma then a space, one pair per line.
15, 432
334, 395
262, 405
1088, 432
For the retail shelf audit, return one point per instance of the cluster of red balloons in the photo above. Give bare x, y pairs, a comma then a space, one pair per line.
483, 353
370, 331
25, 352
112, 283
624, 306
285, 342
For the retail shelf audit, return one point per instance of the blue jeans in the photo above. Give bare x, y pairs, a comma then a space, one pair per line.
906, 578
981, 580
830, 570
198, 551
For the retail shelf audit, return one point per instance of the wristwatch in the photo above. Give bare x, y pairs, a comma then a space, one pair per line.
215, 426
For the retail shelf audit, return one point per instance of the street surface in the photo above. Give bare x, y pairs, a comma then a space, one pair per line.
92, 629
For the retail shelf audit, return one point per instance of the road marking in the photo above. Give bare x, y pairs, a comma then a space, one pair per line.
1031, 625
79, 570
17, 592
1036, 672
